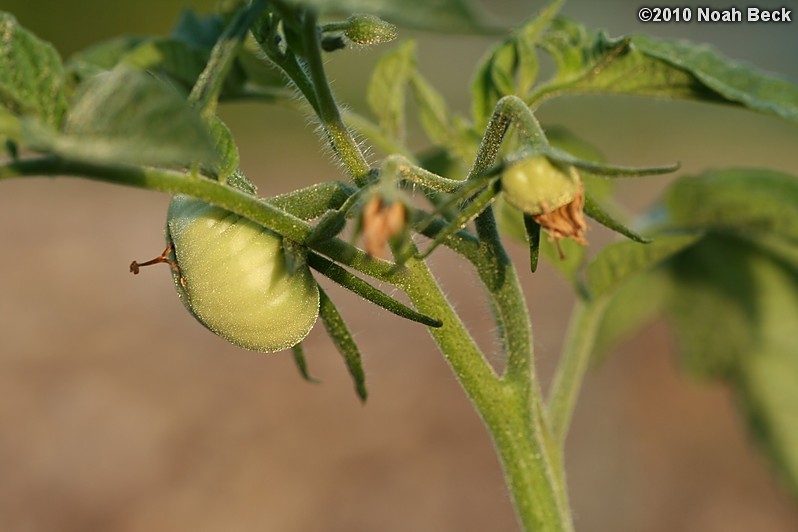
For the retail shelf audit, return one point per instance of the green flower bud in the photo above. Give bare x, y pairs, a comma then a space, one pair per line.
368, 29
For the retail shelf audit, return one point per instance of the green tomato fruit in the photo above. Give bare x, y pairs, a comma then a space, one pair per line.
233, 278
536, 186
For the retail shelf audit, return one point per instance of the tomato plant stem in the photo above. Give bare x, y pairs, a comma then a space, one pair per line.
580, 339
341, 139
511, 413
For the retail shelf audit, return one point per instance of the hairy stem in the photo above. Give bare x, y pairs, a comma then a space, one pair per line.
504, 407
213, 192
341, 140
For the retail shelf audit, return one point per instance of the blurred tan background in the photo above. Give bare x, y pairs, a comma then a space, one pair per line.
118, 412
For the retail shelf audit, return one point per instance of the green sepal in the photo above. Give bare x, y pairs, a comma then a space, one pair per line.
478, 204
366, 291
595, 211
241, 182
342, 338
329, 225
315, 200
533, 238
302, 364
607, 170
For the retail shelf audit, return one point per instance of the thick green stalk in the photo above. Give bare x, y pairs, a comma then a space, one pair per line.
509, 305
504, 406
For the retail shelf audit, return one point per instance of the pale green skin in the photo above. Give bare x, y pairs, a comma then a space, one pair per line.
236, 280
535, 185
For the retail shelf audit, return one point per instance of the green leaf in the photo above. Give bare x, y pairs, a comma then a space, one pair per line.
385, 93
567, 256
126, 116
493, 79
734, 313
101, 57
433, 111
342, 338
10, 128
712, 304
769, 393
441, 15
736, 199
181, 57
734, 82
651, 67
177, 61
731, 298
31, 75
638, 301
200, 32
619, 261
509, 68
180, 63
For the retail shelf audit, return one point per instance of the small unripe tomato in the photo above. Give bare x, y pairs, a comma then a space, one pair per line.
232, 276
536, 186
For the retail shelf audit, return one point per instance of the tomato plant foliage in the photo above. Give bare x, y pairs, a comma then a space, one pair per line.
717, 256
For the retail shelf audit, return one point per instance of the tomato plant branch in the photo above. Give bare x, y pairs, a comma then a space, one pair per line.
341, 139
241, 203
509, 304
504, 407
580, 340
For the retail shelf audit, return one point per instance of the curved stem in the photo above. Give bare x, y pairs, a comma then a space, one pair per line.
509, 306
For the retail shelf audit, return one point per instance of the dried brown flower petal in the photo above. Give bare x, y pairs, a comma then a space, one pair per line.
567, 221
380, 224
